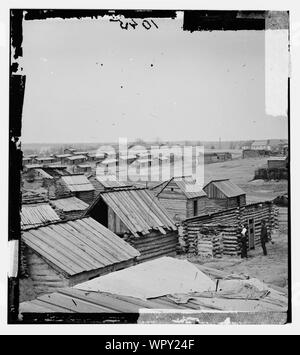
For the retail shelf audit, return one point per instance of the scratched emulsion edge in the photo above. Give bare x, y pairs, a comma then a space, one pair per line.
205, 20
16, 96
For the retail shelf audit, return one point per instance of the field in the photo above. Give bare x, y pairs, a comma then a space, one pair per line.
273, 269
241, 172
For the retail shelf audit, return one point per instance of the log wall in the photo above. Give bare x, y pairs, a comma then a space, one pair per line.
154, 245
228, 222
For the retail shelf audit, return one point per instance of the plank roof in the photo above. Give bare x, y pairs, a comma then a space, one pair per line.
187, 184
69, 204
138, 209
77, 183
37, 214
76, 157
79, 246
110, 181
227, 187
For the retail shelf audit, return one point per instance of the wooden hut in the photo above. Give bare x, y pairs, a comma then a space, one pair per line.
106, 182
37, 214
261, 145
76, 159
80, 186
62, 158
225, 193
277, 163
67, 253
45, 160
83, 168
96, 157
70, 150
137, 216
182, 197
69, 207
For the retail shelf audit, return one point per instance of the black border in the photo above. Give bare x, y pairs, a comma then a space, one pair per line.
194, 20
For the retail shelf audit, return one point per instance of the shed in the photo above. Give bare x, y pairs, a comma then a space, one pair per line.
255, 153
26, 160
225, 193
80, 186
67, 253
45, 160
70, 150
83, 168
76, 159
137, 216
182, 197
37, 214
69, 207
106, 182
62, 157
261, 145
95, 156
277, 163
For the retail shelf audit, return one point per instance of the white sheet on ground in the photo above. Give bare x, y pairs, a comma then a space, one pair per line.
153, 278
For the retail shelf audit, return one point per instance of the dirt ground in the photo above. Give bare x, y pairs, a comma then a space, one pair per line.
241, 171
273, 269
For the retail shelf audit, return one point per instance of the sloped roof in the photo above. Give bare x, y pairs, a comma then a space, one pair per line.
77, 183
261, 142
62, 155
76, 157
228, 188
69, 204
138, 209
110, 181
277, 159
79, 246
38, 214
44, 174
186, 184
45, 158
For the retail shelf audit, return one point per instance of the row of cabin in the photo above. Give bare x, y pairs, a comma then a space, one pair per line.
214, 157
263, 148
184, 198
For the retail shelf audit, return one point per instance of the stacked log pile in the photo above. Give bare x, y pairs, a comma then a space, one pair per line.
209, 242
193, 226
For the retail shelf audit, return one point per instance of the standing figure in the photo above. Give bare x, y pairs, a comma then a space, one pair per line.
244, 246
264, 236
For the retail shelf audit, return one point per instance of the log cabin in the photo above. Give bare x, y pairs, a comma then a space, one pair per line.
106, 182
69, 207
70, 150
228, 223
225, 193
80, 186
45, 160
182, 197
137, 216
62, 158
67, 253
277, 163
76, 159
37, 214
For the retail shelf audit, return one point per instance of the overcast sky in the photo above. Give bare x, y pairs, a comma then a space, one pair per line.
91, 81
